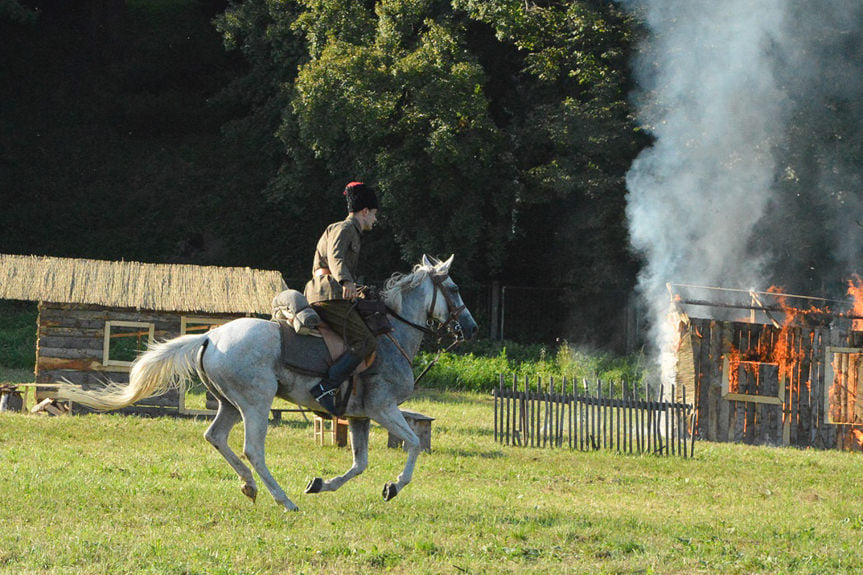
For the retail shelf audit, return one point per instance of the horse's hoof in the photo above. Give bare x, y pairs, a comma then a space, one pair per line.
250, 491
315, 485
390, 491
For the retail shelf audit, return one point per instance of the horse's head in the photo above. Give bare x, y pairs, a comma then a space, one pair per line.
444, 302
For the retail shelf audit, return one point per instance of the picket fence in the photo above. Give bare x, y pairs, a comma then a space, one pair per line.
591, 416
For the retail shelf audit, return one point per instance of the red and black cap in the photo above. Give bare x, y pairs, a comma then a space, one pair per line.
360, 196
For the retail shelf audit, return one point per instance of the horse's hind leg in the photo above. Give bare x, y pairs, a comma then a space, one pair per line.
360, 447
394, 422
255, 419
217, 434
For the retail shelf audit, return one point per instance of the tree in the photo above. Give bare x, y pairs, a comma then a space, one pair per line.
478, 121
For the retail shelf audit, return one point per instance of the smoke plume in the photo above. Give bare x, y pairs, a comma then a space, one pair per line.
754, 175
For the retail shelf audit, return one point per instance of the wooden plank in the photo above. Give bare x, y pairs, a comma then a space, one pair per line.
700, 345
57, 363
720, 345
81, 377
71, 342
75, 353
52, 314
57, 331
816, 400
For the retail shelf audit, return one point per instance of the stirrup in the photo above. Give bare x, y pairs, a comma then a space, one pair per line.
326, 393
327, 400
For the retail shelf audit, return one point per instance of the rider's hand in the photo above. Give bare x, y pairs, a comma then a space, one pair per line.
349, 290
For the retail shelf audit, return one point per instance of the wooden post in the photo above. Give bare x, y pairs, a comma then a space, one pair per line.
495, 393
619, 414
582, 417
507, 418
516, 440
553, 406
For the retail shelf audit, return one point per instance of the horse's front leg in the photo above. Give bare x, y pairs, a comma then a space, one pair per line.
394, 422
360, 446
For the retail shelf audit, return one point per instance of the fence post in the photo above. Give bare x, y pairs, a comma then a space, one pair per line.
596, 426
507, 418
616, 420
496, 394
672, 442
516, 439
685, 427
639, 422
553, 408
528, 432
581, 417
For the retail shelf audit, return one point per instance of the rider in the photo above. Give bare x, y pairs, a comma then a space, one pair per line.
332, 289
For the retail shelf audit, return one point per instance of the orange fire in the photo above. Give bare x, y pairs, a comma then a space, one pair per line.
855, 290
781, 349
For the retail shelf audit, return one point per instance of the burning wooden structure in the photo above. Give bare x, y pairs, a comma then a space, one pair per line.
770, 368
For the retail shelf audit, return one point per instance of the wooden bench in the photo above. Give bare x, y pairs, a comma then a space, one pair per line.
421, 424
335, 429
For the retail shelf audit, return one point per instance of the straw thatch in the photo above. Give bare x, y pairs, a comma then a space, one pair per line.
158, 287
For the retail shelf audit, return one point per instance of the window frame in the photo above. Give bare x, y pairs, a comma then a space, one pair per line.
106, 344
830, 379
187, 320
727, 394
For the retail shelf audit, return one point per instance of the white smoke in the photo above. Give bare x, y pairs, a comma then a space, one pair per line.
720, 82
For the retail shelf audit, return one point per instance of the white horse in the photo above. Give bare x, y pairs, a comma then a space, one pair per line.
239, 363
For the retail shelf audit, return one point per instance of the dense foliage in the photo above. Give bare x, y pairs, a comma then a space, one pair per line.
496, 130
478, 367
17, 337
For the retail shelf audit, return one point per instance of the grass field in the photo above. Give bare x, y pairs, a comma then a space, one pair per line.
114, 494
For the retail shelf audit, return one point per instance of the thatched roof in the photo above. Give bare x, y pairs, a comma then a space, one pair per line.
161, 287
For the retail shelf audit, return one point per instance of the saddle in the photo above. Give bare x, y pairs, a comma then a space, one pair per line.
309, 346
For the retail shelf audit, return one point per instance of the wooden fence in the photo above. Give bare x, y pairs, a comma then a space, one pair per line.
618, 417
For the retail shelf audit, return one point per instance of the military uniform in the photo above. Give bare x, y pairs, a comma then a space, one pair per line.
336, 261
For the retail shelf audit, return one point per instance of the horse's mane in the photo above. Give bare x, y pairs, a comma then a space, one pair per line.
398, 282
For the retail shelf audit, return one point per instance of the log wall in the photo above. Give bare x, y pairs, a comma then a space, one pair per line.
71, 338
767, 405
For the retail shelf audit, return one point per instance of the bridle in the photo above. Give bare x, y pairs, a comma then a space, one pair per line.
453, 311
451, 325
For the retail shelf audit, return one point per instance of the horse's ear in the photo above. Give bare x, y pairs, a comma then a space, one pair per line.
443, 267
426, 262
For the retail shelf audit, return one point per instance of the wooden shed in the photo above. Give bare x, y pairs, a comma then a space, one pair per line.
769, 368
95, 316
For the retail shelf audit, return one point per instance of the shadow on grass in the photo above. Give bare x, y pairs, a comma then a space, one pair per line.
495, 454
453, 396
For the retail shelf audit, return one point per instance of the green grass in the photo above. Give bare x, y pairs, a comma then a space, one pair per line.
113, 494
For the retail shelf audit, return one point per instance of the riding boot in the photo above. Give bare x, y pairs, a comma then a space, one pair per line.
325, 392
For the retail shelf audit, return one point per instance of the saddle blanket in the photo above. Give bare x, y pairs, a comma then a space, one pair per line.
312, 355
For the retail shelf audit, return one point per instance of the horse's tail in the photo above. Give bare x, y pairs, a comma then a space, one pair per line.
163, 366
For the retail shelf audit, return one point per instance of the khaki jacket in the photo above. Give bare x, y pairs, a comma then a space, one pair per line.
338, 251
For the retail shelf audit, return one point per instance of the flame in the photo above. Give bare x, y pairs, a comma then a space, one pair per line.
782, 350
855, 290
